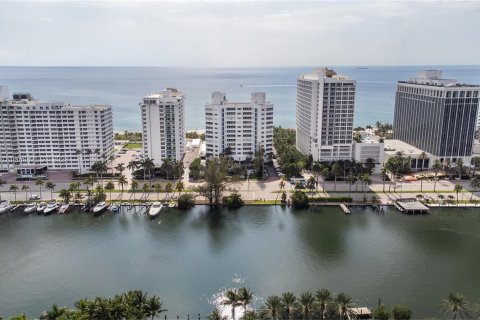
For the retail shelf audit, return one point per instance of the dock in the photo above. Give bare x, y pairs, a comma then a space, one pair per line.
410, 205
345, 208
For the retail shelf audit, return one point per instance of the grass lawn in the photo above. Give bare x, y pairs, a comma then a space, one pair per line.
133, 145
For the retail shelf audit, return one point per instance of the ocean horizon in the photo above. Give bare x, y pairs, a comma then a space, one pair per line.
123, 87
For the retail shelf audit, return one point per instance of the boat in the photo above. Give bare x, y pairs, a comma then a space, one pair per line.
114, 208
51, 208
99, 208
63, 208
5, 206
155, 209
41, 207
30, 208
172, 205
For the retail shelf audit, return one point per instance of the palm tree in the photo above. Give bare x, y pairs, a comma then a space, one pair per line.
474, 184
246, 297
2, 183
122, 182
54, 313
350, 180
153, 307
325, 174
440, 197
476, 163
437, 166
157, 187
457, 305
232, 299
132, 165
39, 182
324, 297
25, 188
317, 169
74, 186
134, 185
14, 188
336, 171
448, 166
215, 315
459, 165
384, 176
422, 176
306, 301
168, 188
50, 186
120, 168
288, 303
179, 186
65, 194
458, 187
147, 165
110, 186
344, 302
167, 166
89, 181
311, 183
272, 305
365, 178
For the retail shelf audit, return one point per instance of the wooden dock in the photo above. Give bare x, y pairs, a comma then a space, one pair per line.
410, 205
345, 208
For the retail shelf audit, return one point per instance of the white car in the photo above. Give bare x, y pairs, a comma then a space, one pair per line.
34, 197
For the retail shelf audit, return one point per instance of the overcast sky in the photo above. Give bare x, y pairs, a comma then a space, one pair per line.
239, 34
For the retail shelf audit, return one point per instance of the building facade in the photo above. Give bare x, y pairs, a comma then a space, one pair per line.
163, 125
369, 150
56, 135
324, 115
437, 115
239, 129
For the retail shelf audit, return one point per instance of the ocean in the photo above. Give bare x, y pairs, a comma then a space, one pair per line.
124, 87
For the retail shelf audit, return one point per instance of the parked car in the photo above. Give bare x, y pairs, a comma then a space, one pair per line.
34, 197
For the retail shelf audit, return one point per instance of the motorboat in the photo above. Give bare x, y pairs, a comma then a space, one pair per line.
114, 208
32, 207
172, 205
5, 206
63, 208
41, 207
155, 209
51, 208
99, 208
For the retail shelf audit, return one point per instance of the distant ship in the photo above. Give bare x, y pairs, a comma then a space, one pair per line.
361, 68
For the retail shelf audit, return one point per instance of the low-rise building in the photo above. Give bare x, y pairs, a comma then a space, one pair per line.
369, 149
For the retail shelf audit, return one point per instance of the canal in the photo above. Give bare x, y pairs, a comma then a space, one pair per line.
187, 258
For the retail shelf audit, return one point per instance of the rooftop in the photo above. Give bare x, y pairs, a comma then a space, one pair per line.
323, 72
393, 146
434, 78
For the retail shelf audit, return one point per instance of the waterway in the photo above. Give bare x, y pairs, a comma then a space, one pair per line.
189, 257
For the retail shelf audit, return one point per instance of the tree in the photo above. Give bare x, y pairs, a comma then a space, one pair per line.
110, 186
2, 183
179, 186
448, 167
336, 171
25, 188
317, 169
401, 312
421, 177
272, 306
153, 307
437, 166
234, 200
382, 312
288, 303
147, 165
50, 186
311, 183
350, 180
216, 182
215, 315
246, 297
384, 176
134, 187
132, 165
99, 167
475, 185
476, 163
186, 201
344, 302
456, 304
365, 178
122, 182
168, 188
65, 194
458, 187
306, 301
324, 298
157, 187
120, 168
299, 200
325, 174
40, 182
14, 189
459, 166
54, 313
232, 299
167, 167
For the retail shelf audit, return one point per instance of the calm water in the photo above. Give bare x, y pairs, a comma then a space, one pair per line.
189, 256
124, 87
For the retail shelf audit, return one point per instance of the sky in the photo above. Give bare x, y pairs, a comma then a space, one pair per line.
238, 33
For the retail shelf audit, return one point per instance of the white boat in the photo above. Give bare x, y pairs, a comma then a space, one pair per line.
51, 208
155, 209
114, 208
5, 206
99, 208
30, 208
63, 208
41, 207
172, 205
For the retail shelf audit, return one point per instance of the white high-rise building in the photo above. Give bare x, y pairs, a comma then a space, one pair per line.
163, 123
239, 129
55, 135
325, 106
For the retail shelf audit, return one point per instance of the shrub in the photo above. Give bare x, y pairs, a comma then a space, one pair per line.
299, 200
330, 199
401, 312
381, 313
233, 201
186, 201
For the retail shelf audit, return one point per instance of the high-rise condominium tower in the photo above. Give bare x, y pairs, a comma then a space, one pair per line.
239, 129
163, 124
436, 115
325, 106
55, 135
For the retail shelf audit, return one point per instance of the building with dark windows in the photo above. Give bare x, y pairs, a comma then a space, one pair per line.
437, 116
